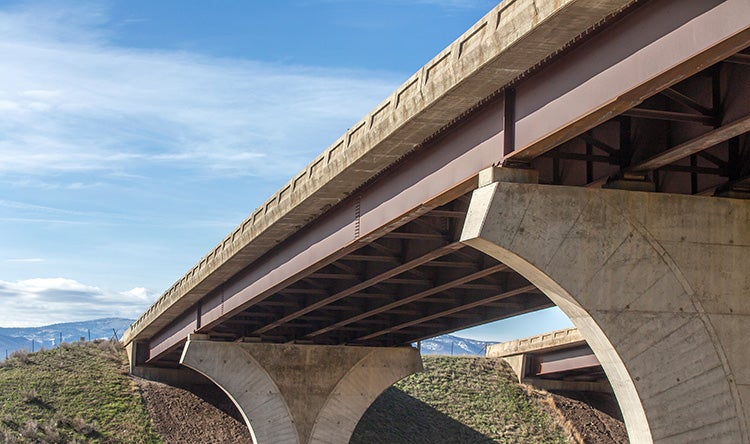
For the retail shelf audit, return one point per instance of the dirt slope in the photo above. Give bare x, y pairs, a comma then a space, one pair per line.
455, 400
202, 415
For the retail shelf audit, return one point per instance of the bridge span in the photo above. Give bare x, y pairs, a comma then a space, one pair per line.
589, 154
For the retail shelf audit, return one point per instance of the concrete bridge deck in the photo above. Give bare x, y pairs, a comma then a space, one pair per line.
558, 360
621, 130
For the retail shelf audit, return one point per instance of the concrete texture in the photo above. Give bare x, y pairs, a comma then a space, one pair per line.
515, 352
657, 284
545, 341
511, 39
300, 393
568, 386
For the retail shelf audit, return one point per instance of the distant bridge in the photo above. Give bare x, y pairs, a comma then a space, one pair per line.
558, 360
589, 154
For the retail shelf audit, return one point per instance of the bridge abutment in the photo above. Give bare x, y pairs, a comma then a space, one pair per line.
658, 284
300, 393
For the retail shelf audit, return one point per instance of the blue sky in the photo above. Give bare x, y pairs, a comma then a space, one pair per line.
136, 134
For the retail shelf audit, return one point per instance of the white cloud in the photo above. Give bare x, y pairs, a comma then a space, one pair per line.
29, 260
45, 301
73, 102
89, 127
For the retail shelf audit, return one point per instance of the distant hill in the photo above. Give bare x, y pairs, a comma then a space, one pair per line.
48, 336
454, 345
11, 344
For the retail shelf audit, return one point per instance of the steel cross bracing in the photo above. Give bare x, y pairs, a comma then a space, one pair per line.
691, 138
412, 283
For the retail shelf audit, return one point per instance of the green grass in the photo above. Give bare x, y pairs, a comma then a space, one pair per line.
458, 399
79, 392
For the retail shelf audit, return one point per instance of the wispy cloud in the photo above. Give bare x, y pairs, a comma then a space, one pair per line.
45, 301
29, 260
73, 102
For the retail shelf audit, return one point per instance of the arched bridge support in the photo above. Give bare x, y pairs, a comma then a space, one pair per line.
300, 393
658, 284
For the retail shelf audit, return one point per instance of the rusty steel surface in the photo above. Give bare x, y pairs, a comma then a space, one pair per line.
560, 361
383, 267
693, 146
412, 190
653, 48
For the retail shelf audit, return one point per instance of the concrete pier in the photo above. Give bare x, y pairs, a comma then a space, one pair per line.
656, 283
300, 394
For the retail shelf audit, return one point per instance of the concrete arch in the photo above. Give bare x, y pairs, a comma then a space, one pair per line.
656, 283
300, 394
248, 385
377, 370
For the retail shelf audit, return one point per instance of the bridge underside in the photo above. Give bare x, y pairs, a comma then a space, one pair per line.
415, 282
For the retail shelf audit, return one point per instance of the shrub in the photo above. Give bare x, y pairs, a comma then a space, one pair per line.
10, 437
105, 346
7, 419
30, 396
80, 425
30, 430
50, 433
21, 357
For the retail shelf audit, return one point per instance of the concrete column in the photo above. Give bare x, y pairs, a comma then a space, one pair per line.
300, 393
658, 284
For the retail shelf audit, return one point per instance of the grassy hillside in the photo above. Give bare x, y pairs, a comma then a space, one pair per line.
458, 400
81, 393
76, 393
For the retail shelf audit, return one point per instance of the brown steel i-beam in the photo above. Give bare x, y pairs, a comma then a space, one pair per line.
673, 116
434, 254
640, 69
593, 141
403, 301
684, 100
509, 121
532, 302
563, 361
369, 258
702, 142
739, 59
450, 311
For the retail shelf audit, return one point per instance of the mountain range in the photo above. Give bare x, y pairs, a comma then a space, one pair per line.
454, 345
48, 336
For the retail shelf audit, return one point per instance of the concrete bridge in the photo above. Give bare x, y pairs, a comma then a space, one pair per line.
589, 154
558, 360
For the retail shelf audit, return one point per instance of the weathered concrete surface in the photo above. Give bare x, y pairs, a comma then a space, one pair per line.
300, 393
545, 341
568, 386
658, 285
515, 352
512, 38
